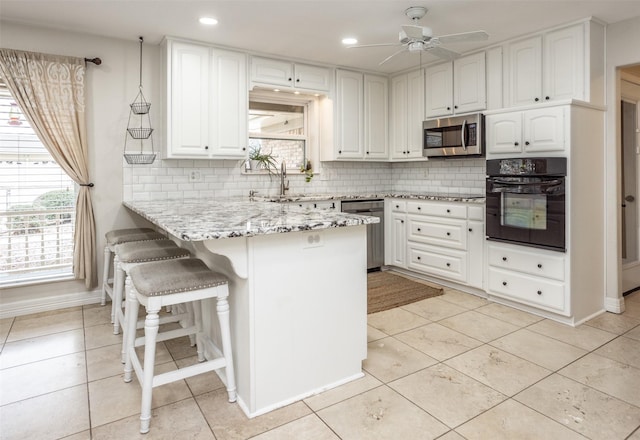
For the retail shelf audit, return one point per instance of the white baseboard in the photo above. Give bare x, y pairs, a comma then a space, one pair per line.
36, 305
614, 305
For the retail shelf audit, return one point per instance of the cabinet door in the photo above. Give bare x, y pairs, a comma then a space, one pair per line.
504, 133
230, 104
312, 77
399, 117
188, 124
564, 66
268, 71
396, 241
525, 71
439, 90
544, 129
469, 82
415, 112
349, 115
376, 102
476, 239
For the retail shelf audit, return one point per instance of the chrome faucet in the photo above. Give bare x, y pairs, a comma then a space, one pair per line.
283, 173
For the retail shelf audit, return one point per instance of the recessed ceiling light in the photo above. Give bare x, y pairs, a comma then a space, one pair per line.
208, 20
296, 93
349, 40
276, 90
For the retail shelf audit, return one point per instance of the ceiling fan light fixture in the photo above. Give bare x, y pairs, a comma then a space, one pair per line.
416, 46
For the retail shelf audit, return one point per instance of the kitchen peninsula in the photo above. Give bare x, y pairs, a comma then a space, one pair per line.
298, 290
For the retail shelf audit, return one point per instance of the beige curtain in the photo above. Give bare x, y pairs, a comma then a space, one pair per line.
50, 92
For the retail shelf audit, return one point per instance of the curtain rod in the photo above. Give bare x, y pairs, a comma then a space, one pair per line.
96, 61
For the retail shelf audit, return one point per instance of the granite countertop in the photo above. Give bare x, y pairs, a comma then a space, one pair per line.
466, 198
198, 220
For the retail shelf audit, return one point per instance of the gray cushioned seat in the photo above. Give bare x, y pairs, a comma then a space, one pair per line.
118, 236
155, 250
166, 277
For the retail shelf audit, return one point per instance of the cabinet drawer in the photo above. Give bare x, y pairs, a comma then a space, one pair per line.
438, 231
397, 205
476, 212
536, 291
534, 262
450, 210
441, 262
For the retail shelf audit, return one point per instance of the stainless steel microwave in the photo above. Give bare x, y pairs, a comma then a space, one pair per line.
455, 136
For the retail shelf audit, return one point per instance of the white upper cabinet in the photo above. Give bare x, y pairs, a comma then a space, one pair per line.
349, 142
206, 108
407, 115
566, 63
361, 116
267, 71
456, 87
376, 103
531, 131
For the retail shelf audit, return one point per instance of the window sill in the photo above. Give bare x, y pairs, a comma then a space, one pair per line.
36, 280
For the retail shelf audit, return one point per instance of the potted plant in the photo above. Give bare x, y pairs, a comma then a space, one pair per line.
262, 161
307, 170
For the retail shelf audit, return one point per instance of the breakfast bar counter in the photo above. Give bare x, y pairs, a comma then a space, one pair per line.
298, 291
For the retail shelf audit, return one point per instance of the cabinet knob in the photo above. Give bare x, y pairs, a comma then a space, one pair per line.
539, 266
339, 151
401, 221
419, 229
397, 206
206, 147
547, 98
537, 99
289, 79
455, 106
367, 152
470, 229
419, 258
448, 234
419, 208
448, 108
448, 264
539, 292
244, 148
298, 80
516, 143
504, 283
526, 143
504, 258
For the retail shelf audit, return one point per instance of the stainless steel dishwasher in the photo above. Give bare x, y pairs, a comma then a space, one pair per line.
375, 232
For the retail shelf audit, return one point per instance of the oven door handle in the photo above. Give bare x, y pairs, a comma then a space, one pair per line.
547, 183
464, 125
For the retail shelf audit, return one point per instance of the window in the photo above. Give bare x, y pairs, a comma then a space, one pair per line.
37, 204
279, 129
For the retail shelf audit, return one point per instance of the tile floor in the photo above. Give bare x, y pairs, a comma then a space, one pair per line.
450, 367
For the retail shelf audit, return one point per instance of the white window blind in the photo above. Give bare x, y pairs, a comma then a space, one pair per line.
37, 203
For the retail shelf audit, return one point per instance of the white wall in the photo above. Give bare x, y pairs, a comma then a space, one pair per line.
621, 50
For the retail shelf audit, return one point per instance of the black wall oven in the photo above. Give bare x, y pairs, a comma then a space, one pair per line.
525, 201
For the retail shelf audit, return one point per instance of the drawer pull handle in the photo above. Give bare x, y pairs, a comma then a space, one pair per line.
539, 292
539, 266
504, 258
504, 283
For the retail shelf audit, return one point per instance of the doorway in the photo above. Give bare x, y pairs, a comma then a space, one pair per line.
630, 177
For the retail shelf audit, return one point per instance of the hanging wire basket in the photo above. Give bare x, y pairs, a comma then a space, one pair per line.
140, 132
139, 158
140, 108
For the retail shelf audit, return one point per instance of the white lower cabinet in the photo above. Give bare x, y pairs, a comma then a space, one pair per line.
535, 277
441, 239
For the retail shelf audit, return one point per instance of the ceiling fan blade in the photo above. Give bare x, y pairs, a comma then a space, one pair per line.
462, 37
442, 52
374, 45
391, 56
414, 32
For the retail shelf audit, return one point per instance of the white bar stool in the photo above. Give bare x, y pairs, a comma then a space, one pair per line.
128, 255
115, 237
156, 285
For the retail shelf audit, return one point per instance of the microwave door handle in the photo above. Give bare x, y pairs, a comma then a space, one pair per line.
464, 126
549, 183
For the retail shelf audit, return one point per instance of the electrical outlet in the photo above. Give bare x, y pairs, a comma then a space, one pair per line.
195, 176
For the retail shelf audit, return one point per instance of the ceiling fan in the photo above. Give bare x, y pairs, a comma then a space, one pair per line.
416, 38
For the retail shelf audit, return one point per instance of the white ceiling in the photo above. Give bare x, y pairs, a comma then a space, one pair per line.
311, 29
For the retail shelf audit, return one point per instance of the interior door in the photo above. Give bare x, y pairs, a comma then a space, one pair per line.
629, 184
